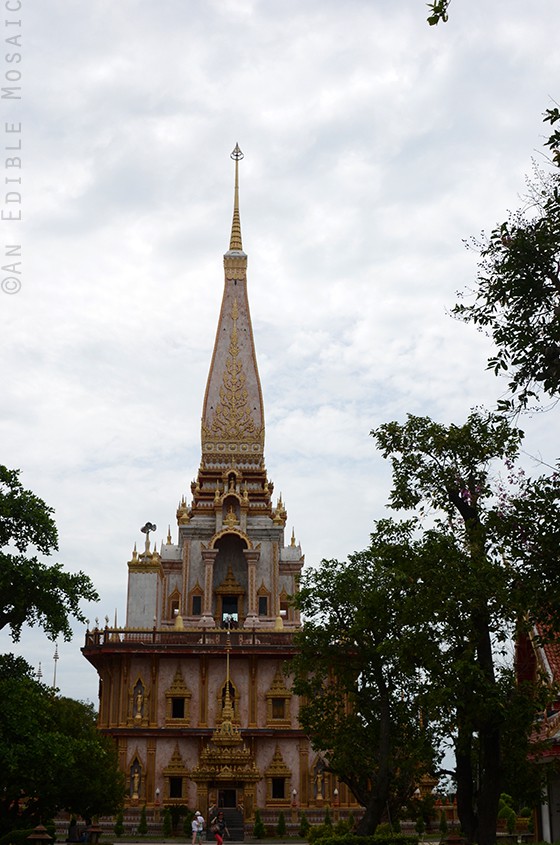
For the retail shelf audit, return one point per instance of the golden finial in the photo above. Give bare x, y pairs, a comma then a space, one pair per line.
293, 540
235, 240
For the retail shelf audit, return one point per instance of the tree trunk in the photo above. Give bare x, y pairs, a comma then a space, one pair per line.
489, 742
490, 779
465, 787
379, 795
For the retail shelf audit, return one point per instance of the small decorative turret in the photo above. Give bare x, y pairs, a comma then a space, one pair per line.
183, 513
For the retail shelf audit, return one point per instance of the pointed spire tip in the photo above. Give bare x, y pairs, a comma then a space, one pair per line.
235, 243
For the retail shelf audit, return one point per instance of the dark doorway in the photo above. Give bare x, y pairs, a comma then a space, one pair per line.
227, 798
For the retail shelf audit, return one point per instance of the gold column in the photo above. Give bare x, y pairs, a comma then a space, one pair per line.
303, 772
150, 772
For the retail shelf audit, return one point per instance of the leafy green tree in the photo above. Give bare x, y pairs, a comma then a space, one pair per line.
517, 295
44, 741
465, 575
357, 674
31, 592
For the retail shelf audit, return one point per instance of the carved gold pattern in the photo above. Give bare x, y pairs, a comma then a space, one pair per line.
229, 585
236, 531
178, 689
232, 420
278, 767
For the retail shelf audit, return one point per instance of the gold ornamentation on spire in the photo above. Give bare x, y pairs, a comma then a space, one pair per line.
232, 418
235, 243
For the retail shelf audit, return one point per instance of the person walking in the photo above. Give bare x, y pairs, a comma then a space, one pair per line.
219, 827
197, 828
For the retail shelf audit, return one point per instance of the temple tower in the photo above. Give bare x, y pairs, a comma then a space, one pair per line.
194, 689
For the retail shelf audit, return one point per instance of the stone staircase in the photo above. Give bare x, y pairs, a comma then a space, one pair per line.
234, 823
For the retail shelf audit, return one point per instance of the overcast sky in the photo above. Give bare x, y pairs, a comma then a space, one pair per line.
374, 144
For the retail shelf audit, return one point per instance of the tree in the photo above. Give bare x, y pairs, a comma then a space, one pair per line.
517, 297
31, 592
466, 574
45, 741
356, 671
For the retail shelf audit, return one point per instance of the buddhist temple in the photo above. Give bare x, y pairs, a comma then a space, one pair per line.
195, 688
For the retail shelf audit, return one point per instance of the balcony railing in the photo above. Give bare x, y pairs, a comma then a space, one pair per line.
196, 638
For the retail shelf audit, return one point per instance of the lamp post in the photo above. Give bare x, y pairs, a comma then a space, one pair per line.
156, 812
294, 805
336, 803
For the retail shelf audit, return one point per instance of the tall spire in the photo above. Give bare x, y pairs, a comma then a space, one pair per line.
233, 412
235, 243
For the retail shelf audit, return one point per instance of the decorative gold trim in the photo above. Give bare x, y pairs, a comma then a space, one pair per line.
232, 421
178, 689
278, 690
237, 531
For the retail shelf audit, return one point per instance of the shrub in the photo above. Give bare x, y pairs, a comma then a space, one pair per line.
187, 823
329, 838
281, 827
167, 823
420, 825
259, 830
303, 825
119, 824
343, 826
143, 824
327, 822
443, 823
320, 831
17, 837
